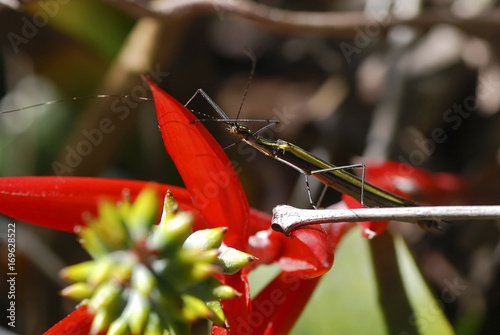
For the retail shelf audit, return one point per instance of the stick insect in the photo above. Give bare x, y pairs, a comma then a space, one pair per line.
308, 164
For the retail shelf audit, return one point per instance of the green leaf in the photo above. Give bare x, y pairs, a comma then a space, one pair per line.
365, 294
428, 315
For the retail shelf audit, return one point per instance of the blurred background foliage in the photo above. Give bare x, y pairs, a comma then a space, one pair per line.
421, 85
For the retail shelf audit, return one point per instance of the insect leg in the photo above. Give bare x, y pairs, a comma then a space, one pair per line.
309, 195
321, 196
210, 101
353, 166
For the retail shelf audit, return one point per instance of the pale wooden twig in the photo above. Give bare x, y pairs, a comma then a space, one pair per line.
286, 218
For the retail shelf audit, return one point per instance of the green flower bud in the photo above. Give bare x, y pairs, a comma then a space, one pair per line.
92, 243
102, 320
194, 308
170, 205
143, 280
206, 238
218, 316
168, 303
191, 256
124, 207
232, 260
78, 291
137, 312
213, 289
77, 272
107, 296
143, 214
154, 325
171, 234
101, 271
225, 292
124, 266
119, 327
110, 227
201, 271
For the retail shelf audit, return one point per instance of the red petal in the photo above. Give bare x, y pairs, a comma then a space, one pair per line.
207, 172
264, 243
421, 185
276, 309
309, 255
259, 221
216, 330
59, 202
77, 323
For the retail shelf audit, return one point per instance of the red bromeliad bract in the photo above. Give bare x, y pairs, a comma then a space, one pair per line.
215, 196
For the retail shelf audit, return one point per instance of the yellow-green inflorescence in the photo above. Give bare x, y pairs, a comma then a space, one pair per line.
148, 279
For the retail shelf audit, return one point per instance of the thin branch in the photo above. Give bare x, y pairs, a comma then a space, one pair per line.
12, 4
286, 218
340, 24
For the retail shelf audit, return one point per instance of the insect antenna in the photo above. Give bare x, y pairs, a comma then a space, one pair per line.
252, 57
224, 118
84, 97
